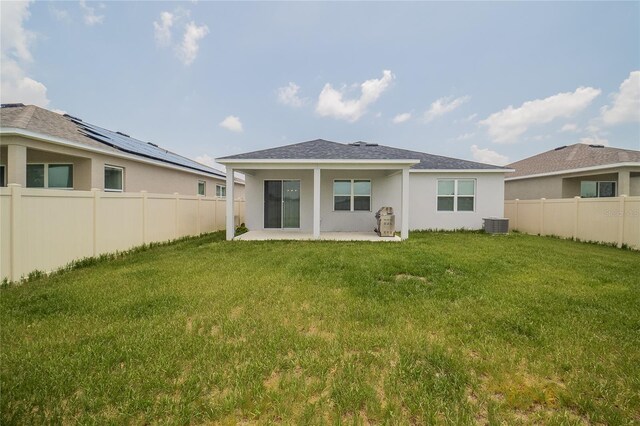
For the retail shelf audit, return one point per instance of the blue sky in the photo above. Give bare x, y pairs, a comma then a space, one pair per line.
495, 81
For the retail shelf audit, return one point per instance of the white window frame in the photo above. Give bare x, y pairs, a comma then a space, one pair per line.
204, 185
219, 189
456, 195
46, 175
598, 182
351, 200
106, 166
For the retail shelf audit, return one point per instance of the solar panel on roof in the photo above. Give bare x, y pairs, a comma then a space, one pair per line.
128, 144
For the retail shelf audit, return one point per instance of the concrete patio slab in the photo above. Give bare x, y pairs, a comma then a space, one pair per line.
298, 235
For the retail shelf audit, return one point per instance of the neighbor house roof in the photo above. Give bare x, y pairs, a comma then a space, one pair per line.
44, 122
571, 158
321, 149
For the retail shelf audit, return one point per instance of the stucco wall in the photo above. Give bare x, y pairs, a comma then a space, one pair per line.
531, 189
423, 213
254, 193
88, 170
386, 191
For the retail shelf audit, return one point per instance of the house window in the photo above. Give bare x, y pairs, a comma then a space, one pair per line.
221, 191
58, 176
352, 195
3, 178
113, 178
456, 195
202, 185
592, 189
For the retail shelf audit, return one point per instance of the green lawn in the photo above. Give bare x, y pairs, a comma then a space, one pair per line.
444, 328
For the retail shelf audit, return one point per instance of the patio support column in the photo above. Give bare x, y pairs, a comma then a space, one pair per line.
231, 228
17, 165
316, 203
404, 231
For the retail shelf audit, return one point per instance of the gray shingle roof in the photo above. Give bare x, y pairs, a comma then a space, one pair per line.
321, 149
43, 121
572, 157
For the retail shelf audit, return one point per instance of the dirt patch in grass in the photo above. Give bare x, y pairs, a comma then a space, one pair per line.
408, 277
273, 381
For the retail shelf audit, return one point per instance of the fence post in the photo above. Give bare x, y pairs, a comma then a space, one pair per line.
542, 215
96, 217
515, 221
176, 212
144, 216
575, 217
15, 224
621, 221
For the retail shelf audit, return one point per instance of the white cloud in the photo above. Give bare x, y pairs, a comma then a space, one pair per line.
570, 127
626, 103
207, 160
485, 155
162, 29
401, 118
288, 95
89, 13
332, 104
232, 123
443, 106
471, 117
15, 85
507, 125
59, 14
188, 49
594, 140
465, 136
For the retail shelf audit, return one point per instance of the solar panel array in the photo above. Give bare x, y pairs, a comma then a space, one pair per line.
130, 145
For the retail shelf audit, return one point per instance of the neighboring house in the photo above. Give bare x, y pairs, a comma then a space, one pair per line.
43, 149
321, 186
576, 170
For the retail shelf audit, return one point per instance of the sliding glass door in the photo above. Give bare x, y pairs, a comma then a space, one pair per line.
282, 204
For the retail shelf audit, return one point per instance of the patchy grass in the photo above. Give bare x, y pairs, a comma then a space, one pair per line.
444, 328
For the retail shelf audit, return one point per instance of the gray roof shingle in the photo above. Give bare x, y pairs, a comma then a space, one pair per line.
572, 157
321, 149
43, 121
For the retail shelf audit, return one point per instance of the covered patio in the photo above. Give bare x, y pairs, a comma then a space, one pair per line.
294, 200
269, 235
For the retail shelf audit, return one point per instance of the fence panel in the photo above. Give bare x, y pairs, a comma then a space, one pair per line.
608, 220
44, 229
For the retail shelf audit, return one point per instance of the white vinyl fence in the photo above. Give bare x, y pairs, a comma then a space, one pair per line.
613, 220
44, 229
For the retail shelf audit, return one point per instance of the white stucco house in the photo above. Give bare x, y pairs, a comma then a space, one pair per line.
320, 187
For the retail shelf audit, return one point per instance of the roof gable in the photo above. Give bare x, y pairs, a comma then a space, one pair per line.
321, 149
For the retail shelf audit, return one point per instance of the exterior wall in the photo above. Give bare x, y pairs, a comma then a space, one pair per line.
45, 229
386, 191
609, 220
423, 213
254, 193
568, 185
534, 188
88, 170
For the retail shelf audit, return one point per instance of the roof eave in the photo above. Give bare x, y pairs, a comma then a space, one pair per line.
240, 161
579, 170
